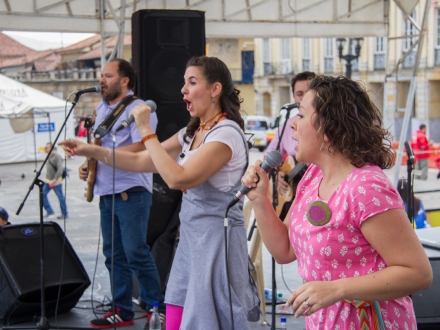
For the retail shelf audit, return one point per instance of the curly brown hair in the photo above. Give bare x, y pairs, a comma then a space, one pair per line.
214, 70
353, 124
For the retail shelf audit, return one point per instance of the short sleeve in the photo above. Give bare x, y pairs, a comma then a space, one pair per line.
371, 193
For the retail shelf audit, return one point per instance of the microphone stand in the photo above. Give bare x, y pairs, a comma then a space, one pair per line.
274, 176
410, 192
43, 323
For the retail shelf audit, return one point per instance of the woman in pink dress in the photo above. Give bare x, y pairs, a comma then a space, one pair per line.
356, 249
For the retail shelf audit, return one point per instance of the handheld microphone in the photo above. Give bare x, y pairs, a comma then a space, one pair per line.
95, 89
409, 151
130, 119
290, 106
272, 159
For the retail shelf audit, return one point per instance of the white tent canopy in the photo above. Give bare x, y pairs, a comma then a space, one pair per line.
29, 119
224, 18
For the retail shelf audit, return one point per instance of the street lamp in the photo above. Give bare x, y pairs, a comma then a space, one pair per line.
340, 42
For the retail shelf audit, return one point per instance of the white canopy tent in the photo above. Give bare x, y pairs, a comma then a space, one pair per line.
29, 119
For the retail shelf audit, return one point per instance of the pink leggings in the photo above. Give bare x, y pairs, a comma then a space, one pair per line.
173, 317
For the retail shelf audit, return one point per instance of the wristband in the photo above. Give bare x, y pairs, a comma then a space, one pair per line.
149, 136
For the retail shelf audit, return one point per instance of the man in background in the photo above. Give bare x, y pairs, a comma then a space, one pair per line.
420, 146
300, 84
4, 216
54, 181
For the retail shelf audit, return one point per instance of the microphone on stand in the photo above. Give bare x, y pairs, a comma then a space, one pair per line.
290, 106
272, 159
130, 119
95, 89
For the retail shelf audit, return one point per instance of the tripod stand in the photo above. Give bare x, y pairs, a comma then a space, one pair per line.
43, 323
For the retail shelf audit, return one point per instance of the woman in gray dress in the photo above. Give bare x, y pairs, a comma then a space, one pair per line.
206, 161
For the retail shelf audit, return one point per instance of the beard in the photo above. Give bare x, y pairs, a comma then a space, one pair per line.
113, 92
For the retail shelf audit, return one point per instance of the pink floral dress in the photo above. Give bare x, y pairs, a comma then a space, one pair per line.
327, 239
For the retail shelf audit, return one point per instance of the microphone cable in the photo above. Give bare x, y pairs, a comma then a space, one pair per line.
228, 281
112, 275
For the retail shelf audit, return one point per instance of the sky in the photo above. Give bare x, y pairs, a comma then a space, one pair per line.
46, 40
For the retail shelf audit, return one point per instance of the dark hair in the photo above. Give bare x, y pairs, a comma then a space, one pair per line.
422, 126
402, 188
351, 121
214, 70
305, 75
125, 69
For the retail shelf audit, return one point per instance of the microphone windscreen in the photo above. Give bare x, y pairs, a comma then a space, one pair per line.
273, 159
151, 104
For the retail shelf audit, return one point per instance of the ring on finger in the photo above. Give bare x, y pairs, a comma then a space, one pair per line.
307, 303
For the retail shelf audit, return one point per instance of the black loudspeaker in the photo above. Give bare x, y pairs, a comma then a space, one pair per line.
162, 43
427, 302
20, 288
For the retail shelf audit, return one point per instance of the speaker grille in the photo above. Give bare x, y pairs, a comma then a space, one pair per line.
166, 72
20, 257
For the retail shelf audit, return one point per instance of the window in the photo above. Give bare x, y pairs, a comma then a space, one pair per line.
286, 66
409, 30
328, 56
306, 54
379, 53
266, 57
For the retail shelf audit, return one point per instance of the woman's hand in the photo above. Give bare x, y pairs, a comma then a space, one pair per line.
75, 147
256, 179
141, 114
312, 296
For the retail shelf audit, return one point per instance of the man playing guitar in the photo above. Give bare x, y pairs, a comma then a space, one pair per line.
299, 84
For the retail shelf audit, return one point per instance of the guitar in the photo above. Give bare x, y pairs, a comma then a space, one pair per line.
294, 172
91, 163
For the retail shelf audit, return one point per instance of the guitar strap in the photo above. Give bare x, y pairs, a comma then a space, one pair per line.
113, 116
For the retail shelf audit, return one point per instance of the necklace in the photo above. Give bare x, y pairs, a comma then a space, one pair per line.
216, 119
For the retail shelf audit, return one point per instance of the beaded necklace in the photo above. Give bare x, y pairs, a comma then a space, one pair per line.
218, 117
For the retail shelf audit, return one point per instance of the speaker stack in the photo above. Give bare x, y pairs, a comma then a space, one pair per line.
20, 286
427, 302
162, 43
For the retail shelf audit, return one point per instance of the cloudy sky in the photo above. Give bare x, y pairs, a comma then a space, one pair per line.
46, 40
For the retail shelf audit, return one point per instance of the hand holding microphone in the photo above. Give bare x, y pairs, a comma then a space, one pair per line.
272, 159
130, 119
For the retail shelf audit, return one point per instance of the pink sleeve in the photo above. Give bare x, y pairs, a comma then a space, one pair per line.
371, 193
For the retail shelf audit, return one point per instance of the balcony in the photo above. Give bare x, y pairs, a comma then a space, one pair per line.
58, 75
410, 61
306, 65
379, 61
329, 65
277, 68
437, 57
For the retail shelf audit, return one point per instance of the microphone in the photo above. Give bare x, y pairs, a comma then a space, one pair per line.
409, 151
272, 159
290, 106
95, 89
130, 119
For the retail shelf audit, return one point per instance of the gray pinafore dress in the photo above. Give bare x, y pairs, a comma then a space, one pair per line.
198, 277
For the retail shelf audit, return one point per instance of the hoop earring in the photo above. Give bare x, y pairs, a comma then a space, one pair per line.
325, 150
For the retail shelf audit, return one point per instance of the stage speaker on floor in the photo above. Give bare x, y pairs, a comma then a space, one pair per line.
20, 288
427, 302
162, 43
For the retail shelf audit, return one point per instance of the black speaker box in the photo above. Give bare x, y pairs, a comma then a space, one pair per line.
427, 302
20, 278
162, 43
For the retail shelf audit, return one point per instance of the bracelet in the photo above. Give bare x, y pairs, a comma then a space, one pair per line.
108, 154
149, 136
